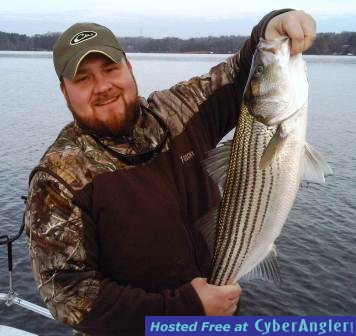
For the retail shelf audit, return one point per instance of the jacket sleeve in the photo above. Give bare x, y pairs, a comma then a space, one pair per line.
211, 102
64, 258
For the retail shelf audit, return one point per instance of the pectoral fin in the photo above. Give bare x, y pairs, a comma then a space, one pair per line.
274, 147
315, 167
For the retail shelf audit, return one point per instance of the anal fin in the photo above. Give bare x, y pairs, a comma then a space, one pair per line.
267, 269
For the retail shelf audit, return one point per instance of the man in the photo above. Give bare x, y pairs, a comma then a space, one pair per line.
113, 202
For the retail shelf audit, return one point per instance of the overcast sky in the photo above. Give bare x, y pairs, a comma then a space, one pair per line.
183, 18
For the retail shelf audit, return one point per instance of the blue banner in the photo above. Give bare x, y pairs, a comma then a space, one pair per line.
250, 325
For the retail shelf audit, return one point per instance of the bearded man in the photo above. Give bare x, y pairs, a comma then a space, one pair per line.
113, 202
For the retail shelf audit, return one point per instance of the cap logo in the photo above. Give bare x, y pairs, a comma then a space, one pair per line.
82, 36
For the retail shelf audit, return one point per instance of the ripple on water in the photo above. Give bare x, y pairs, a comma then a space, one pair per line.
317, 249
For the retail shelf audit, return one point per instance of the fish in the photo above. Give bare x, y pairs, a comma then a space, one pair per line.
260, 170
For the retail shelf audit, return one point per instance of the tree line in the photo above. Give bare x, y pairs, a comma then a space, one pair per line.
325, 44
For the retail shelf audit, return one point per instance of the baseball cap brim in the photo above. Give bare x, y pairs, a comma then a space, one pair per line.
71, 68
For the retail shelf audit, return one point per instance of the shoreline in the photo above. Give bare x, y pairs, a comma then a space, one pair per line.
162, 53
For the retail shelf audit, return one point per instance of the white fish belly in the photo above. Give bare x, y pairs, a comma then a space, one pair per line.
259, 204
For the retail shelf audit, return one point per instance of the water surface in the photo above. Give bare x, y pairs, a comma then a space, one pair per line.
317, 249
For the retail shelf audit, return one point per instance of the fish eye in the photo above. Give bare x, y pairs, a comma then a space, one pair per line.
259, 70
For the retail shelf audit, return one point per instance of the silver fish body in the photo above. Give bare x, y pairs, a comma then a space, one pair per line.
260, 170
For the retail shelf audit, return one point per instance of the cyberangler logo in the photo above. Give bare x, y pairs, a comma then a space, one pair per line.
82, 36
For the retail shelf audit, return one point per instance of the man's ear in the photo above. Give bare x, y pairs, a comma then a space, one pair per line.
129, 64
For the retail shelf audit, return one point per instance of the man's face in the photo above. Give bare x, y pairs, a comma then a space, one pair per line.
103, 95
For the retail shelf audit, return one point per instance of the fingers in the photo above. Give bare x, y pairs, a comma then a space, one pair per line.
235, 292
199, 282
296, 35
217, 300
231, 291
232, 299
299, 26
309, 29
231, 308
303, 34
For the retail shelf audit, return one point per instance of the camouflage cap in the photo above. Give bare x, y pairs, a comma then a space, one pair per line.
78, 41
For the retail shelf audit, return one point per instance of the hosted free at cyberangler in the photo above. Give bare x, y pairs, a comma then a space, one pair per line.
258, 325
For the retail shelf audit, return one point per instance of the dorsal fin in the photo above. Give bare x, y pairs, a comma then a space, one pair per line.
217, 162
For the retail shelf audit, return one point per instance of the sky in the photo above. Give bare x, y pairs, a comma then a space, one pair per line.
162, 18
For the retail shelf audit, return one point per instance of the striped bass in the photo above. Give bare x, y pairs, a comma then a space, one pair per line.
260, 169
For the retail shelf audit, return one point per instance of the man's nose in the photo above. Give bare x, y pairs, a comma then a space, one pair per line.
101, 84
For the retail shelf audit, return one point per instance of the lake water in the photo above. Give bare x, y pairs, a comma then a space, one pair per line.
317, 249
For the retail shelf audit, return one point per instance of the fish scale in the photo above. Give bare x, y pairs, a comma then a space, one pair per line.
234, 202
263, 165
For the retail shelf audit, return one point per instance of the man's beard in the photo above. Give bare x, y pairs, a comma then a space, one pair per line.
107, 129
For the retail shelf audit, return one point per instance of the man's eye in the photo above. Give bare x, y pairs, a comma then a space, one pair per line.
111, 69
81, 79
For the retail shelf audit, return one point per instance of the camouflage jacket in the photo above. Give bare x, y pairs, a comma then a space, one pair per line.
112, 241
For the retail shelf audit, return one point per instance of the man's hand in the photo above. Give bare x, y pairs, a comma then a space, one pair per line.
217, 300
299, 26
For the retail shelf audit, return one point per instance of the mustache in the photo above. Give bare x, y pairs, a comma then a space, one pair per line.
105, 96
